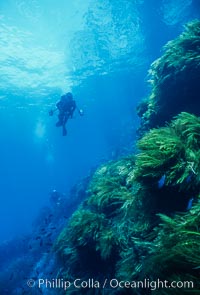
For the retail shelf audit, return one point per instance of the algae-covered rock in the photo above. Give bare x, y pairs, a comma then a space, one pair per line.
168, 259
173, 151
174, 79
116, 232
91, 243
175, 253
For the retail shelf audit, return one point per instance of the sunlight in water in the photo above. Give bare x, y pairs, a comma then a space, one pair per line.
46, 50
34, 45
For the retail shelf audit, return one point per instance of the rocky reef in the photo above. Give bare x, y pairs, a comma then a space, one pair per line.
140, 221
128, 228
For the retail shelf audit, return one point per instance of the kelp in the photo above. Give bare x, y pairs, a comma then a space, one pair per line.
90, 230
115, 231
175, 251
174, 80
188, 127
109, 188
102, 228
172, 151
141, 215
170, 253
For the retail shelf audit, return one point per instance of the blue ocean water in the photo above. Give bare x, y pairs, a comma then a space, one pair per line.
98, 50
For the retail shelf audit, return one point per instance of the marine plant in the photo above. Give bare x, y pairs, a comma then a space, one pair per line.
95, 235
175, 252
169, 253
173, 152
108, 188
116, 232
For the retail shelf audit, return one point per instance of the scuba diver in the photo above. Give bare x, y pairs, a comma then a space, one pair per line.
66, 107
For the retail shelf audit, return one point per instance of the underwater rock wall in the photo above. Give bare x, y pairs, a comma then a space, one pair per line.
116, 233
141, 217
174, 80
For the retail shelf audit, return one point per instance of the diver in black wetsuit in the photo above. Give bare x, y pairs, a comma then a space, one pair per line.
66, 107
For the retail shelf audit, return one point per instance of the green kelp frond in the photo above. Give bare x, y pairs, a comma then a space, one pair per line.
84, 228
89, 230
187, 222
131, 263
108, 189
174, 79
188, 128
108, 195
159, 147
108, 242
172, 150
175, 251
114, 192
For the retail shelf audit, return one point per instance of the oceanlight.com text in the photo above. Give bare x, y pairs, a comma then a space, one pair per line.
114, 283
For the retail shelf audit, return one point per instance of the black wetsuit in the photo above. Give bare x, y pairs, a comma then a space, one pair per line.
66, 109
